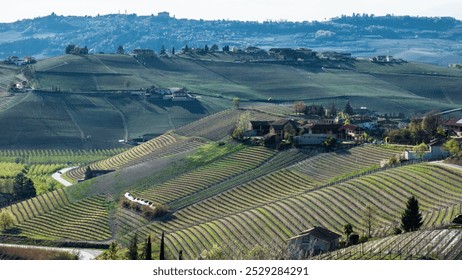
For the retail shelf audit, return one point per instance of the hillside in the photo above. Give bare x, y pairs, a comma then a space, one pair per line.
432, 40
227, 193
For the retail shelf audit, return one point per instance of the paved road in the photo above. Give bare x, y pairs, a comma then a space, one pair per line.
84, 254
57, 176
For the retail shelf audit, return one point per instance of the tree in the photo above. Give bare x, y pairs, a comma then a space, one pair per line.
333, 110
120, 50
23, 187
163, 51
299, 107
186, 49
173, 50
7, 219
241, 126
321, 111
236, 103
214, 48
70, 49
329, 143
226, 48
206, 49
411, 219
132, 253
452, 147
369, 218
162, 248
180, 255
148, 249
348, 109
348, 229
420, 149
111, 253
88, 173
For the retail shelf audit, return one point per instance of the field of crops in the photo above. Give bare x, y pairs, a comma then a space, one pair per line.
267, 217
445, 244
207, 176
87, 219
220, 125
125, 158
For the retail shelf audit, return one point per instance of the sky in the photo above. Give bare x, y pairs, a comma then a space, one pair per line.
254, 10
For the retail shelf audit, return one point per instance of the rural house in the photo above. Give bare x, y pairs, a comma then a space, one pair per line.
260, 128
281, 126
454, 126
312, 242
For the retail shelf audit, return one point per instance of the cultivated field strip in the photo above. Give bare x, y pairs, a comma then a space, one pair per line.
219, 125
327, 167
37, 206
282, 160
63, 156
330, 207
87, 219
124, 158
207, 176
440, 244
127, 221
180, 146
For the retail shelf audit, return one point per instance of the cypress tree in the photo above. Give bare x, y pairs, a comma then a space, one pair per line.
132, 253
148, 249
180, 255
411, 219
162, 248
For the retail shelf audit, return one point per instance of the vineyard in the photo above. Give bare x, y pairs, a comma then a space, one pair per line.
205, 177
445, 244
158, 147
87, 219
263, 215
219, 125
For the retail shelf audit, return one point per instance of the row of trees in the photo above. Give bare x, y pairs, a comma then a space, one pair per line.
419, 131
301, 108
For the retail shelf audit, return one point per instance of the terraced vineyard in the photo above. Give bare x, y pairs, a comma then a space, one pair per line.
332, 167
124, 158
57, 156
205, 177
87, 219
443, 244
219, 125
264, 216
40, 205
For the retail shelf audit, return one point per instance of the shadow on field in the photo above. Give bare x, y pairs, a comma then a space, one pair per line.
193, 107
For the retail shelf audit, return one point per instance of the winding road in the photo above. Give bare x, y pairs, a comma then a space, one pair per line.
57, 176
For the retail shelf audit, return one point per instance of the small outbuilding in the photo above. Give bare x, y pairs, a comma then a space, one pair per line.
312, 242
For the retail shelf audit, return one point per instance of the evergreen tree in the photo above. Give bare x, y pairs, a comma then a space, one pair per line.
148, 249
163, 51
111, 253
23, 187
120, 50
180, 255
88, 173
411, 219
206, 48
162, 248
173, 51
132, 253
348, 230
348, 109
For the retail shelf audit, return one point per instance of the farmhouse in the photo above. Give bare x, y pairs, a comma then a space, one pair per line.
312, 242
454, 126
282, 126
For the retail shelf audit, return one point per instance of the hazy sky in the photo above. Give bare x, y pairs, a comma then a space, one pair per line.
293, 10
